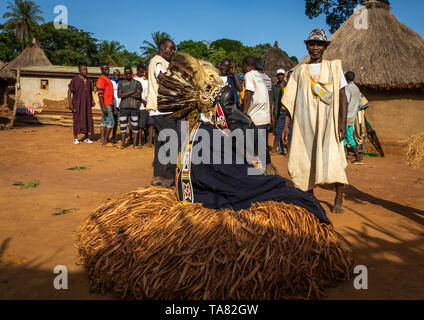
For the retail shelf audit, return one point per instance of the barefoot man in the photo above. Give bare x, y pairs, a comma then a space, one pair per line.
316, 105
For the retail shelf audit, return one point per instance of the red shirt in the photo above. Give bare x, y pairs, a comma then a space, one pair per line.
105, 90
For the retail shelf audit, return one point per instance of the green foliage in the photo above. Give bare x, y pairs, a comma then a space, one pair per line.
9, 45
202, 50
197, 49
109, 52
77, 168
256, 51
336, 11
23, 18
31, 184
294, 59
150, 48
69, 47
222, 48
371, 154
227, 44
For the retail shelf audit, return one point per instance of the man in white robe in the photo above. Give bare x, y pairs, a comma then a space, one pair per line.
316, 106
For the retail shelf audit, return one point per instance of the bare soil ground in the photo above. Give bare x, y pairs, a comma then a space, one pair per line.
384, 218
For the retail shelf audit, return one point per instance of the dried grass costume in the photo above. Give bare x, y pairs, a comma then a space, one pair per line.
149, 245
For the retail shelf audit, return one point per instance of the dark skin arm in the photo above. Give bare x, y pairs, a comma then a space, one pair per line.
127, 94
236, 79
247, 100
136, 95
342, 115
102, 105
286, 130
71, 107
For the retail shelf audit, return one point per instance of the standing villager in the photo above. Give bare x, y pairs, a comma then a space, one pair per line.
105, 92
144, 120
278, 111
227, 72
354, 100
256, 98
116, 102
316, 106
163, 174
80, 102
260, 67
129, 90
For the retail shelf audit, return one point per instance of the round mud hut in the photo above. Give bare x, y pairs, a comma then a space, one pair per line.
32, 56
387, 59
276, 59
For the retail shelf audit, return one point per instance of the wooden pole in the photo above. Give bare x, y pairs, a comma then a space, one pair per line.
17, 97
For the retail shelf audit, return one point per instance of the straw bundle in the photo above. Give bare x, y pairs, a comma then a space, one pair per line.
414, 151
146, 245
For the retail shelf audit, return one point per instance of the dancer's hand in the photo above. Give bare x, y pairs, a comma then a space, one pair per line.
285, 135
342, 132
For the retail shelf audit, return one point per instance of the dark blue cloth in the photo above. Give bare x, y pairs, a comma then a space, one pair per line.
268, 157
232, 84
279, 126
219, 185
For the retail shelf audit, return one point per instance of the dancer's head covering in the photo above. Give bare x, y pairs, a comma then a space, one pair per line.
190, 85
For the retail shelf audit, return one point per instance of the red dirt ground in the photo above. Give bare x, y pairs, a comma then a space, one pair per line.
384, 218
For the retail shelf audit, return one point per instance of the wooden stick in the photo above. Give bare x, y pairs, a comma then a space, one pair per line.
17, 97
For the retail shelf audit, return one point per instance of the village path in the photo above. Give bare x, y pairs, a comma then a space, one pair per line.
384, 218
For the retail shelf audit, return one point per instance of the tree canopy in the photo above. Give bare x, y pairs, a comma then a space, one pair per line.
336, 11
73, 46
23, 18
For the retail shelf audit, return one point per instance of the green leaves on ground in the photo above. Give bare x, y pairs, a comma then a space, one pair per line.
63, 211
371, 154
77, 168
31, 184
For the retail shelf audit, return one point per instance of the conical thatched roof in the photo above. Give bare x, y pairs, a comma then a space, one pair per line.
5, 73
386, 55
33, 55
276, 59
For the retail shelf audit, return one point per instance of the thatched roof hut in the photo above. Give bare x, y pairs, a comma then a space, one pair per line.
387, 58
276, 59
386, 55
33, 55
5, 73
